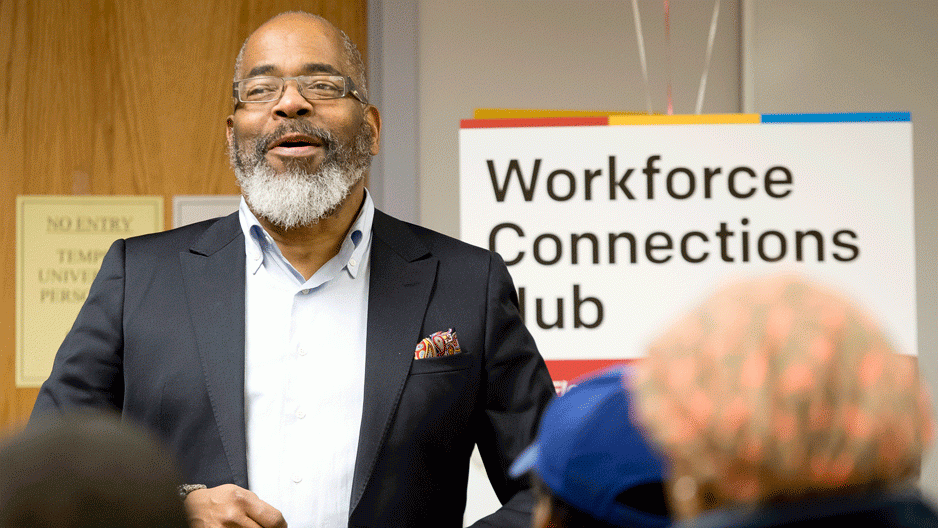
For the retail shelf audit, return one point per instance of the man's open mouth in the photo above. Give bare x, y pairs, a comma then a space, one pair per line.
295, 142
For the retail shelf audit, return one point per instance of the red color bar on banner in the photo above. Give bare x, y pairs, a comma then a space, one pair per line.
565, 371
534, 122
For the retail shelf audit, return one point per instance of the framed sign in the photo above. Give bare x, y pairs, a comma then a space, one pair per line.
60, 241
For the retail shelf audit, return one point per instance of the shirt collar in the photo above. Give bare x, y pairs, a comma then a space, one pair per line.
260, 247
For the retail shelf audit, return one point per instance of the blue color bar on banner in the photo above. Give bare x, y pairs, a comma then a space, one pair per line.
836, 118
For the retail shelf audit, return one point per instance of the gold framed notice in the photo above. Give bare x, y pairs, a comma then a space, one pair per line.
60, 242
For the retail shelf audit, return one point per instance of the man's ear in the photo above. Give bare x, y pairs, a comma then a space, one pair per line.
373, 119
229, 130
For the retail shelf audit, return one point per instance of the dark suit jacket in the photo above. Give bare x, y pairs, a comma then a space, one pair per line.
161, 339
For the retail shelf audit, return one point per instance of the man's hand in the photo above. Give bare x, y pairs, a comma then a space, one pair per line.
230, 506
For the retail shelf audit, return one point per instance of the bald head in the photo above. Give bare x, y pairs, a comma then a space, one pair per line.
351, 57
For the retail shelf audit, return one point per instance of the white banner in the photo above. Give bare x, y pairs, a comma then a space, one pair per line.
610, 232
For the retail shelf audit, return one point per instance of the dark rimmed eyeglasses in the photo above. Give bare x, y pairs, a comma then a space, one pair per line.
266, 89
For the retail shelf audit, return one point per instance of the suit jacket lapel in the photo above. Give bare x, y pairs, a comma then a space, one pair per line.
213, 271
402, 276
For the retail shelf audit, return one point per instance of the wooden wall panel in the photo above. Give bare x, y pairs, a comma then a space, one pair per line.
115, 97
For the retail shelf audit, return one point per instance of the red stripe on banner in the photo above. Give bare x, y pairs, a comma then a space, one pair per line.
565, 371
534, 122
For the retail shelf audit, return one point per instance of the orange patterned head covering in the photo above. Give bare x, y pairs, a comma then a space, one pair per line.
777, 389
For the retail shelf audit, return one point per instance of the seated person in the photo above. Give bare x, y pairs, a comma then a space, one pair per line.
591, 466
778, 402
88, 470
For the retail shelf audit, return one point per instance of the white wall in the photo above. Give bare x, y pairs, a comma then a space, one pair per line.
392, 82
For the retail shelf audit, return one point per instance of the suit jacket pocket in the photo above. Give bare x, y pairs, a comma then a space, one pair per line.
459, 361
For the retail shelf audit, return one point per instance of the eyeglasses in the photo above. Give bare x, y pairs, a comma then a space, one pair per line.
312, 87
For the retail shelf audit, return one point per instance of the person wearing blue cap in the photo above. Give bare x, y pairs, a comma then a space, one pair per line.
592, 466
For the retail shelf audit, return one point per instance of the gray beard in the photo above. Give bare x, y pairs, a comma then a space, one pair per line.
297, 197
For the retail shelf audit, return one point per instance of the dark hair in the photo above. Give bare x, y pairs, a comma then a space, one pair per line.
88, 470
649, 498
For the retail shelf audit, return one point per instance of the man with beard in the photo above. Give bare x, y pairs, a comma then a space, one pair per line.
310, 359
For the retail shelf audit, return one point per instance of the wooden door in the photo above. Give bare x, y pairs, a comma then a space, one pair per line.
118, 97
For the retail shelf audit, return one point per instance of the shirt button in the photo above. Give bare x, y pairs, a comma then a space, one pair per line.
302, 352
305, 292
352, 263
297, 479
300, 414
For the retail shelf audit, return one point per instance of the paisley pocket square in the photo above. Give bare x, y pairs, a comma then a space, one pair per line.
438, 345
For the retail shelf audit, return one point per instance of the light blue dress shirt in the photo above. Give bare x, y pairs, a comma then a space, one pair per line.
304, 373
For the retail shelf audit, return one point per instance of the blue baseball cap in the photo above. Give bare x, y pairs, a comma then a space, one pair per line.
588, 451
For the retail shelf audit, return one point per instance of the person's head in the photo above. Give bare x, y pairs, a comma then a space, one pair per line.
592, 467
87, 471
298, 156
775, 390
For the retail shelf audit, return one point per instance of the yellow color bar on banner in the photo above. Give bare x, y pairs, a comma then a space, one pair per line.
706, 119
